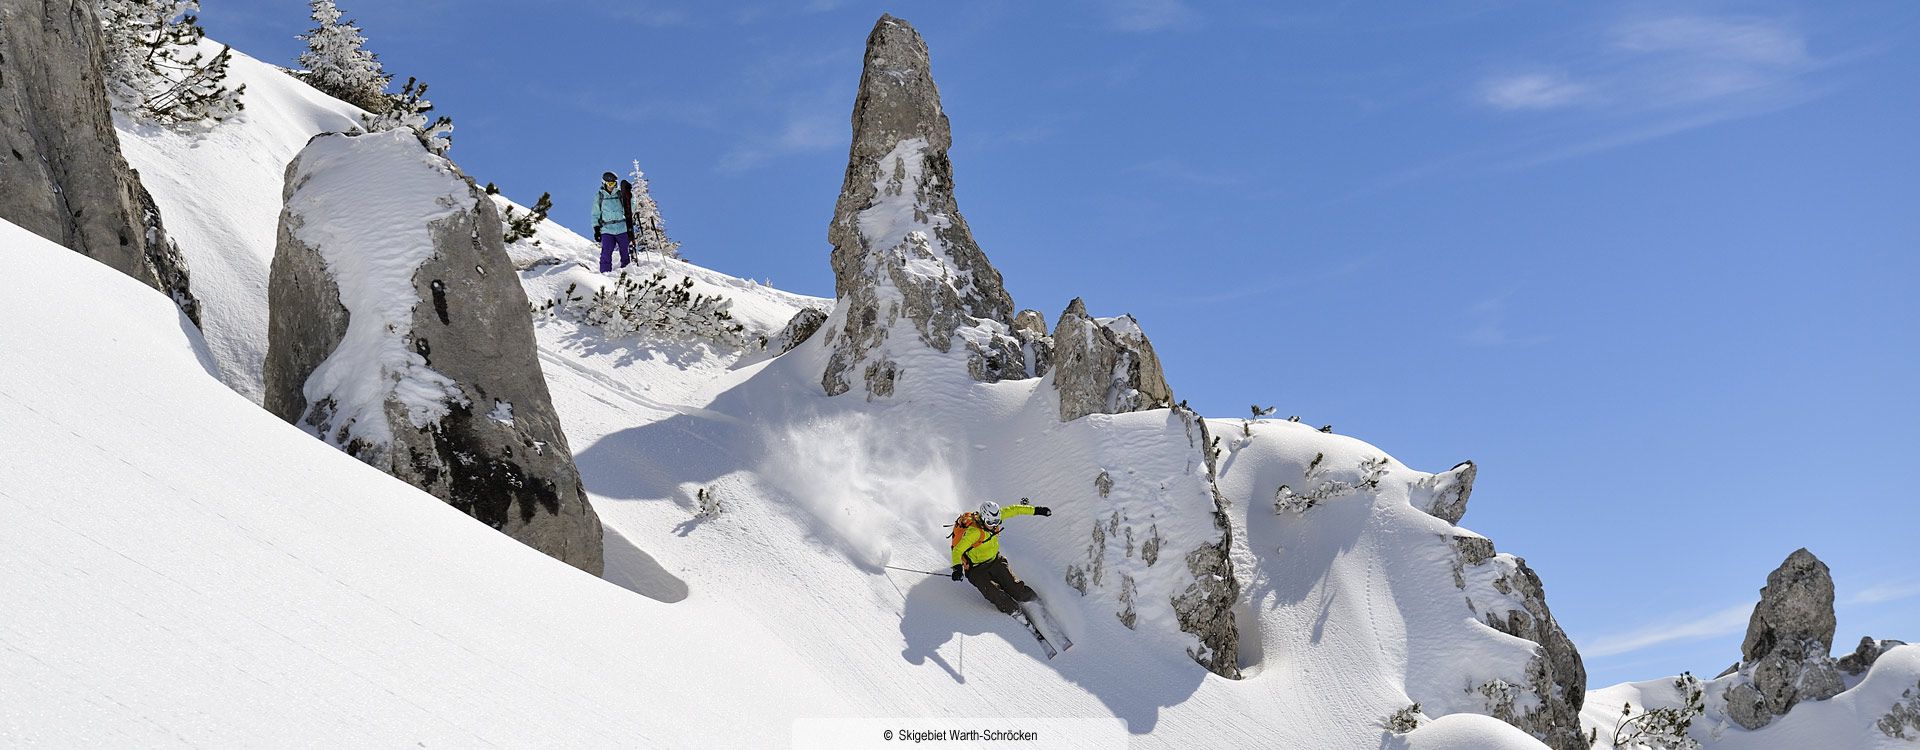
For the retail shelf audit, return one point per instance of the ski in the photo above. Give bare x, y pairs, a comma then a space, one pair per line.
1047, 628
1027, 621
1055, 633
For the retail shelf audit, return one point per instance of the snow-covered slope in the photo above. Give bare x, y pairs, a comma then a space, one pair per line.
246, 553
219, 190
181, 567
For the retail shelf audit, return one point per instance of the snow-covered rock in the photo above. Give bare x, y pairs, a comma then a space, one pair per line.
907, 272
1555, 684
1865, 654
1444, 495
397, 327
1104, 366
1036, 345
801, 327
1787, 655
63, 176
1787, 690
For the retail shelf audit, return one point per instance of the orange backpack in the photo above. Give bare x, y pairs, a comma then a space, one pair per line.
966, 521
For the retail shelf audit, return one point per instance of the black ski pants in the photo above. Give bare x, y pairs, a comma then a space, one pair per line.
996, 581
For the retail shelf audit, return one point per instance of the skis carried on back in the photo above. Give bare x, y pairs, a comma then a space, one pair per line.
1038, 621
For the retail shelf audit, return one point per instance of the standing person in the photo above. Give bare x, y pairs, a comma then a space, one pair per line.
976, 554
611, 227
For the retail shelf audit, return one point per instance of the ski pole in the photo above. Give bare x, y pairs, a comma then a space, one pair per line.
911, 570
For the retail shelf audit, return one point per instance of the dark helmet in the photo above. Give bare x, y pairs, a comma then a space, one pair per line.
609, 177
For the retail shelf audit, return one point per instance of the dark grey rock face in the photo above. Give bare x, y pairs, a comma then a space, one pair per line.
1104, 366
1787, 655
61, 173
1866, 654
902, 253
489, 442
1556, 675
1205, 608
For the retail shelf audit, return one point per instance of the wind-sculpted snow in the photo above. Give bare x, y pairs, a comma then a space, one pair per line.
1362, 594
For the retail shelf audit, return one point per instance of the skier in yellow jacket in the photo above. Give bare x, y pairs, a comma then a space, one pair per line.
976, 554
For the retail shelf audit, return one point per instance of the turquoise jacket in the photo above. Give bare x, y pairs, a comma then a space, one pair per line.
608, 215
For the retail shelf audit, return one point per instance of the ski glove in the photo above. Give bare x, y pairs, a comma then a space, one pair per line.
596, 234
1042, 510
956, 573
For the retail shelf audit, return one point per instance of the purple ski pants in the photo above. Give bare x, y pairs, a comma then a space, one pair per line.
611, 240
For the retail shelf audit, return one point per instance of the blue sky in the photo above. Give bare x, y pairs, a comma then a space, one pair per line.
1652, 266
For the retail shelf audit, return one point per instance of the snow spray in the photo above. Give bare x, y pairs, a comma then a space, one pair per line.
867, 483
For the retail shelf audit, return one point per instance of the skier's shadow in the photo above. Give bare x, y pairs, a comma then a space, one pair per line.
937, 610
932, 618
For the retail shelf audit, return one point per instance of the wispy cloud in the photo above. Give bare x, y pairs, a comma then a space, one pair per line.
1755, 41
1885, 592
1649, 77
1141, 16
1532, 91
1712, 625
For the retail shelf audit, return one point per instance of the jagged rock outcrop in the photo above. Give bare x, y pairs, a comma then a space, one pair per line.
1036, 345
399, 332
1865, 654
1517, 606
1444, 495
1787, 655
903, 258
1104, 366
1205, 608
61, 173
802, 326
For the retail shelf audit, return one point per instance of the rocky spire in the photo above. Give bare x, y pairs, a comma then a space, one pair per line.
1787, 655
1104, 366
903, 259
61, 173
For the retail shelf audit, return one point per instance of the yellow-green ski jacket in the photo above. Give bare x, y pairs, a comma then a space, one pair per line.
978, 545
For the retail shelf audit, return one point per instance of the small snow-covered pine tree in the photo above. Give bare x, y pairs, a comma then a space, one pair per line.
409, 109
524, 225
649, 230
154, 69
338, 63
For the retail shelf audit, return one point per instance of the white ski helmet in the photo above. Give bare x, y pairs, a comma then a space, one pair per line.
990, 512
